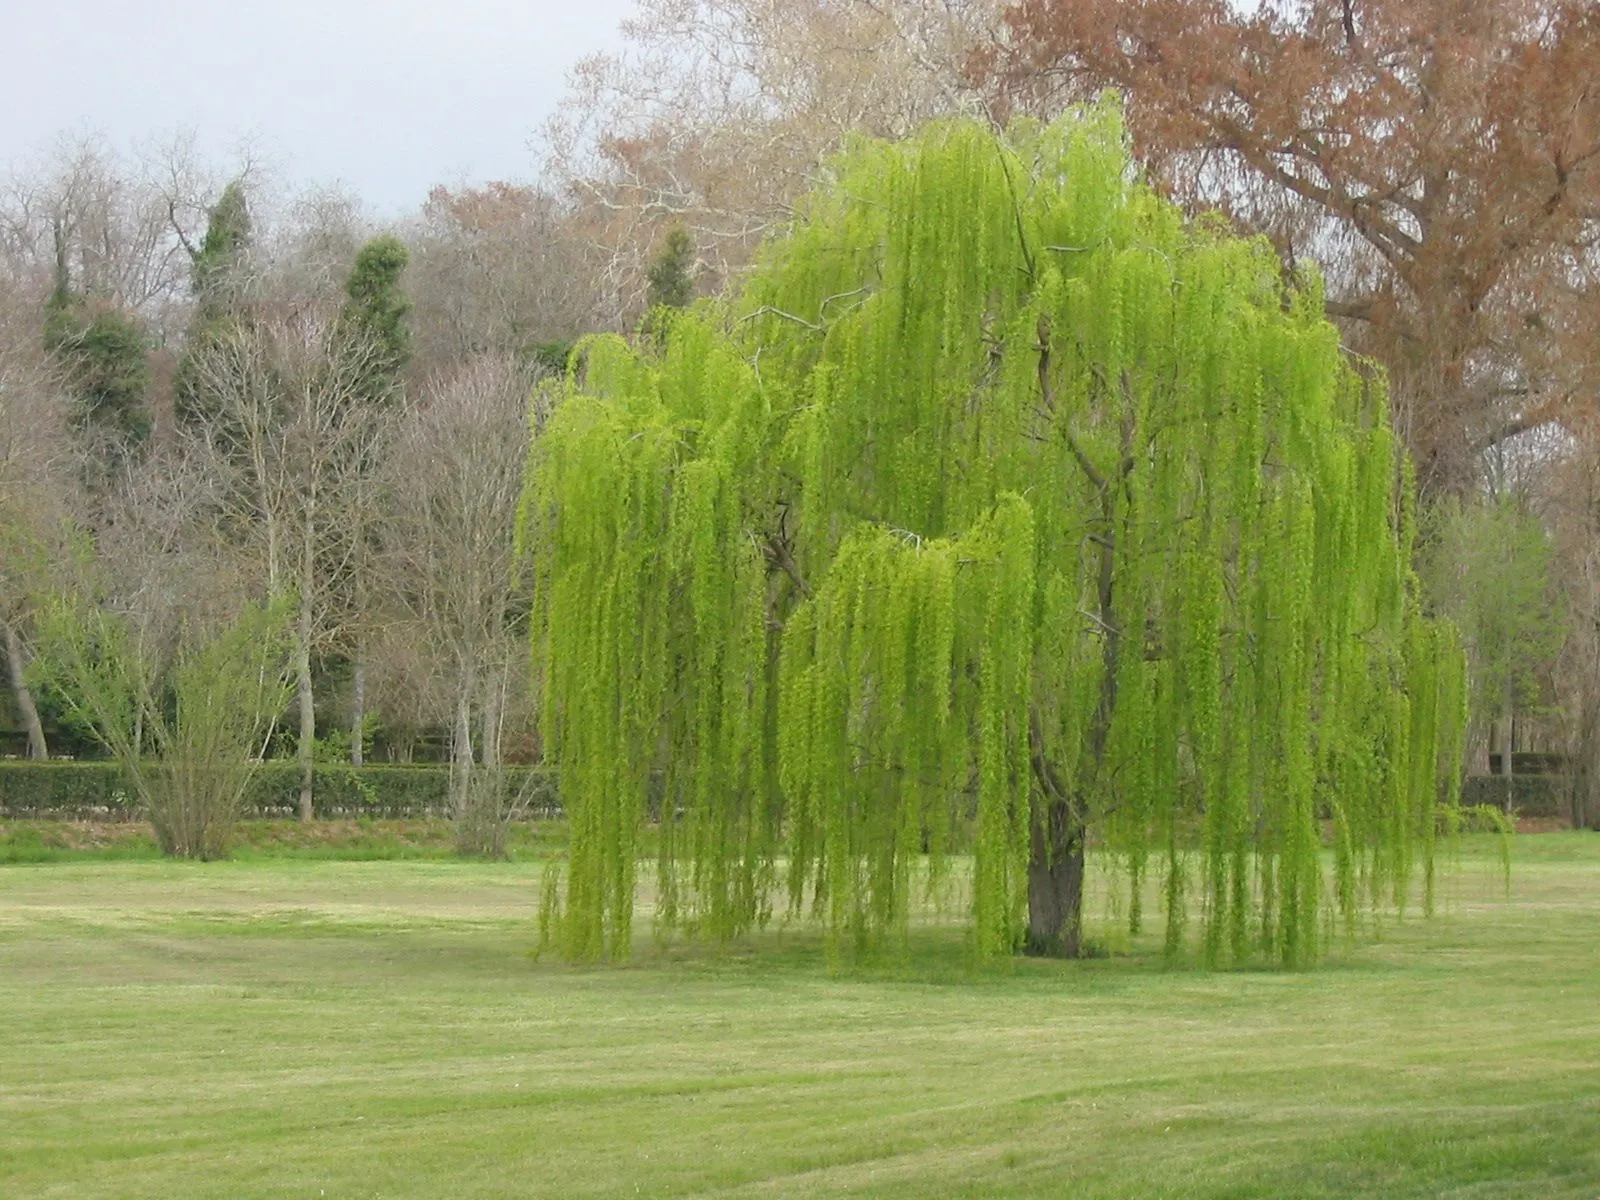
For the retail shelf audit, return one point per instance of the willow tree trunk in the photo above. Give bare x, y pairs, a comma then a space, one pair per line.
1055, 881
1058, 839
16, 665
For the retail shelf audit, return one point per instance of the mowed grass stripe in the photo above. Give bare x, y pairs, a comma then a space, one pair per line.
379, 1029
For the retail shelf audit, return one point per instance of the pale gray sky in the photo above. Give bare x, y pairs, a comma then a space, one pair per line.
385, 96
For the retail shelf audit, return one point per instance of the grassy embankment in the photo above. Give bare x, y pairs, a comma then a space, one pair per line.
283, 1026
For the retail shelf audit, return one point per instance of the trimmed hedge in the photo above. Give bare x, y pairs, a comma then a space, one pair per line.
97, 791
65, 789
1531, 795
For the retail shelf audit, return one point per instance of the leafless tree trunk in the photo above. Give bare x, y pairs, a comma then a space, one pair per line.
461, 751
358, 708
296, 436
16, 664
1508, 746
496, 683
456, 476
304, 630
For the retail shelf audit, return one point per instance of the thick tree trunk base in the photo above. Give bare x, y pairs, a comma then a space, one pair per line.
1055, 884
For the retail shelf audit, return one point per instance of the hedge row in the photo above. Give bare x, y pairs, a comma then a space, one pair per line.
90, 790
1531, 795
97, 790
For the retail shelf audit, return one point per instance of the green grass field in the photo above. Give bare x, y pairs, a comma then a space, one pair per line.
294, 1026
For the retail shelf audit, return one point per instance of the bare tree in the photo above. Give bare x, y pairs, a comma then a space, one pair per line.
35, 474
291, 439
1440, 159
455, 473
116, 222
717, 113
495, 270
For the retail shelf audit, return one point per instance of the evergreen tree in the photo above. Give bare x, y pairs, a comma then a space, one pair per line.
217, 280
1004, 509
374, 330
214, 271
376, 309
102, 354
105, 361
670, 272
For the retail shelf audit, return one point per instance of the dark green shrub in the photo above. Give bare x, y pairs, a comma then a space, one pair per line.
1531, 795
98, 790
80, 790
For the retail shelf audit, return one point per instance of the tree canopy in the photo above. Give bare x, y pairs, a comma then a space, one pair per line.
376, 309
218, 280
102, 354
671, 273
999, 510
1443, 159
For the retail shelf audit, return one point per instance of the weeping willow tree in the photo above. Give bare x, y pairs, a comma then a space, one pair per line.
1001, 510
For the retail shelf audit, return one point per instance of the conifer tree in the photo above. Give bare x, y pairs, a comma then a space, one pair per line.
217, 281
376, 310
1000, 509
105, 362
670, 272
374, 325
229, 233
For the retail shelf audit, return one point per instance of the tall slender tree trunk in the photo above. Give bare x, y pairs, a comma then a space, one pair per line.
1507, 746
358, 682
306, 750
461, 751
1585, 801
16, 665
493, 717
358, 713
1583, 761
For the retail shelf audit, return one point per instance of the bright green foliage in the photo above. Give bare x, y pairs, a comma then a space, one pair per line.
998, 487
376, 312
104, 358
186, 727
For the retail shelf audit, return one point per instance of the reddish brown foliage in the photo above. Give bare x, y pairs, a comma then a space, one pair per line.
1441, 158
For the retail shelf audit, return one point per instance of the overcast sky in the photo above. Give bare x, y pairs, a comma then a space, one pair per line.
385, 96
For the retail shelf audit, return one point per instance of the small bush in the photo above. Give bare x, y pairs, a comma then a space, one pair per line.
182, 717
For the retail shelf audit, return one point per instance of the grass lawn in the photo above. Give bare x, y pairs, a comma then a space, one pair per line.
295, 1026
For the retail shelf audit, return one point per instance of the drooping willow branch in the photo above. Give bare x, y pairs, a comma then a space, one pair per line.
1159, 589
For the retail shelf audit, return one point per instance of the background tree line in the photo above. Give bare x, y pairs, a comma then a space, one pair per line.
216, 395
